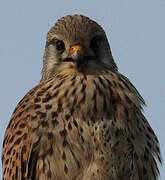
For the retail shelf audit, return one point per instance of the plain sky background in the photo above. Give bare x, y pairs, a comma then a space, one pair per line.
135, 29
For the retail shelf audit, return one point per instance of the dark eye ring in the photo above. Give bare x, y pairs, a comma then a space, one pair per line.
60, 45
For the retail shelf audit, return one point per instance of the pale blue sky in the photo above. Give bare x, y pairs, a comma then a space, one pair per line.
135, 29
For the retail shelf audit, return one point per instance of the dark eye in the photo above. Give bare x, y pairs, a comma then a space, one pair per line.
95, 43
60, 45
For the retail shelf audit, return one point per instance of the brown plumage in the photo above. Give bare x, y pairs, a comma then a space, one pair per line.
84, 120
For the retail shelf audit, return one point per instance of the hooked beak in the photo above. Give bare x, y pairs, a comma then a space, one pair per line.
75, 51
77, 56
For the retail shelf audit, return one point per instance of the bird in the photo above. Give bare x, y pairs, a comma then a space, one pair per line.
84, 120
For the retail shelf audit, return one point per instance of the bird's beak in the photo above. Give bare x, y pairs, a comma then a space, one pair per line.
76, 52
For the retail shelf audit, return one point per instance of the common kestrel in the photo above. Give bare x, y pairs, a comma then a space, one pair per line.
84, 119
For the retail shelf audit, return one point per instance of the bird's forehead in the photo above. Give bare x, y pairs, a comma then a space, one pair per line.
75, 28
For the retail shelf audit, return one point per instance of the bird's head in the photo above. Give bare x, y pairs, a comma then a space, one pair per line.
76, 42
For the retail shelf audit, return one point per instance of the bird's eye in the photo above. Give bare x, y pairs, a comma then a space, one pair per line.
60, 45
95, 42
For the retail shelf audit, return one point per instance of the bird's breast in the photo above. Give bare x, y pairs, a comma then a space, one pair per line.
83, 95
